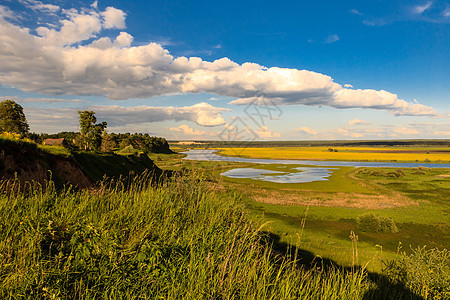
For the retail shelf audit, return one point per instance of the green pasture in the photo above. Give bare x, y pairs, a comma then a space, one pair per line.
326, 230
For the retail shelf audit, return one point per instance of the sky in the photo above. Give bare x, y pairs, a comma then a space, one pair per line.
231, 70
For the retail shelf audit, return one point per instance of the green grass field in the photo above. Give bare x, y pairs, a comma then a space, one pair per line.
185, 239
416, 199
202, 236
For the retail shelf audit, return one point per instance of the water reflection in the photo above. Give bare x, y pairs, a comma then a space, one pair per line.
305, 174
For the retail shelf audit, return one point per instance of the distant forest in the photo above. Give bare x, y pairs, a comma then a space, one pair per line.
123, 142
348, 143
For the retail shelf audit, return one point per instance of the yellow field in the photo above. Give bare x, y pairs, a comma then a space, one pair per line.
343, 153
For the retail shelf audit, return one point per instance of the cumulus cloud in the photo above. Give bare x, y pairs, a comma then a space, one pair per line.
202, 114
186, 130
264, 132
113, 18
74, 59
306, 130
357, 122
42, 119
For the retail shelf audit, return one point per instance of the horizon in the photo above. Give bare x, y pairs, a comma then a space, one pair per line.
234, 71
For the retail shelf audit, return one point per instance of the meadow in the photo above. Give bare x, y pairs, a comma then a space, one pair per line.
186, 238
199, 235
416, 199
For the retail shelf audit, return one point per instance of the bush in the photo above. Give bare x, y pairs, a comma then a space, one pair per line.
376, 223
425, 272
128, 150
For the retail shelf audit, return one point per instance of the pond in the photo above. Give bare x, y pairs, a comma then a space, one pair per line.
305, 174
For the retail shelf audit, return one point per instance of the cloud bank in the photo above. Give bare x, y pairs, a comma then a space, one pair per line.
72, 57
118, 116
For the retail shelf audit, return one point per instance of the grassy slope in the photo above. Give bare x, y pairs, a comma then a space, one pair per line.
98, 165
182, 240
186, 239
29, 156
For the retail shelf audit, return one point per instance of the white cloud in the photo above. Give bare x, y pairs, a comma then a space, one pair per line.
446, 12
358, 122
5, 12
348, 85
419, 9
40, 100
442, 133
78, 27
113, 18
306, 130
186, 130
408, 130
47, 119
332, 38
57, 62
405, 131
264, 132
356, 12
348, 98
39, 6
202, 114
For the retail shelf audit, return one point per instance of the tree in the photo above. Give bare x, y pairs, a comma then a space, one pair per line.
12, 118
91, 133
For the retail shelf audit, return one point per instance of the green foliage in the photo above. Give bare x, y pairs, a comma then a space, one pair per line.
387, 173
128, 150
91, 132
375, 223
12, 118
143, 142
425, 272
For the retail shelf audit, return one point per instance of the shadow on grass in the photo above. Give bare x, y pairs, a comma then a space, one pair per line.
384, 289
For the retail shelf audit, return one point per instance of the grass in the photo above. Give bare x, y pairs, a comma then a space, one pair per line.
181, 240
187, 238
415, 199
56, 150
98, 165
342, 153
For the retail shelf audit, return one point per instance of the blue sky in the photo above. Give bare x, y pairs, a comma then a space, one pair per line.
246, 70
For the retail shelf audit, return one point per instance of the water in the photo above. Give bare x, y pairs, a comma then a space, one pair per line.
304, 174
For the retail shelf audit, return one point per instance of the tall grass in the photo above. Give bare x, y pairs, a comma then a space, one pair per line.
183, 239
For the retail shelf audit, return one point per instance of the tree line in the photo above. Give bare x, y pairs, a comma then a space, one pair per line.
91, 137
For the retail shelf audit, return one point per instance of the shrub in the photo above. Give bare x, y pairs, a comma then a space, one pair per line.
425, 272
128, 150
375, 223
